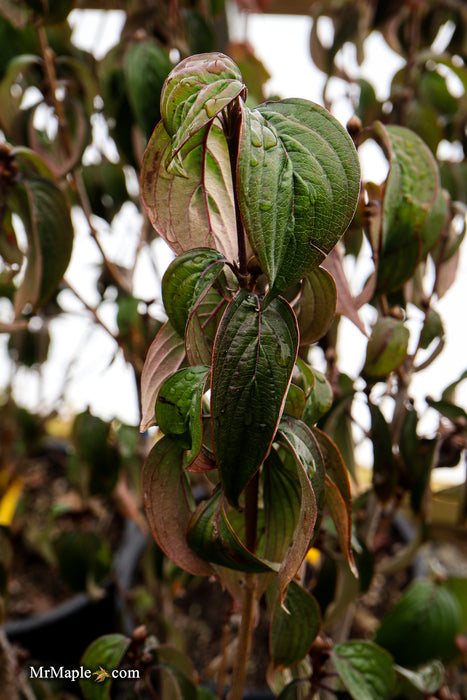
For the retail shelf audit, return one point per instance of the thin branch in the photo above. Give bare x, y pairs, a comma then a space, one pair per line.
91, 309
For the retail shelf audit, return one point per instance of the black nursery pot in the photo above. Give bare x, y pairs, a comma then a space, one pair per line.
61, 635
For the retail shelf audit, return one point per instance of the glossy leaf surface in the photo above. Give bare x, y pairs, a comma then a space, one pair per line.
187, 278
169, 505
197, 89
254, 356
293, 629
326, 183
178, 405
265, 192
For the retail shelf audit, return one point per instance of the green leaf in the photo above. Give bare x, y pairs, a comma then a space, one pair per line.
202, 326
427, 679
432, 329
164, 357
254, 356
411, 191
316, 306
197, 89
447, 409
295, 402
338, 494
45, 213
168, 503
365, 669
457, 585
449, 392
387, 347
178, 406
384, 466
146, 67
212, 536
265, 192
326, 183
294, 626
320, 400
422, 625
282, 497
187, 278
106, 653
195, 209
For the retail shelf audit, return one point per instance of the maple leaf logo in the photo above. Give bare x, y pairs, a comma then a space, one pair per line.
101, 675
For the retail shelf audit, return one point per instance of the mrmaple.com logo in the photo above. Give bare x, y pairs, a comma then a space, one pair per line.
81, 673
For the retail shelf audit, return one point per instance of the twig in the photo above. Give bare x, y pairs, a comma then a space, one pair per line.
90, 308
249, 594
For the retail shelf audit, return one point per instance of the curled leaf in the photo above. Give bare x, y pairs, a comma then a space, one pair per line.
169, 504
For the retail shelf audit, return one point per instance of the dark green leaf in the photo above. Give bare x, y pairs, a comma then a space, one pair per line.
326, 183
164, 357
282, 496
316, 306
447, 409
146, 67
384, 466
105, 653
187, 278
254, 356
265, 193
295, 624
169, 504
365, 669
212, 536
178, 406
45, 214
411, 191
320, 400
432, 329
422, 625
387, 347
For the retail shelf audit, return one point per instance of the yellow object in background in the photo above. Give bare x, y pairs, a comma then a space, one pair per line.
9, 501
